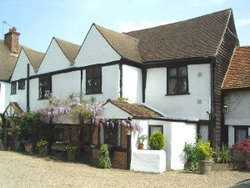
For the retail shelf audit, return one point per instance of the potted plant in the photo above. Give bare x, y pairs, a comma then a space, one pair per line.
71, 151
204, 155
157, 141
141, 139
42, 146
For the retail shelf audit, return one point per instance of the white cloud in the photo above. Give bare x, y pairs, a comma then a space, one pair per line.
126, 26
243, 22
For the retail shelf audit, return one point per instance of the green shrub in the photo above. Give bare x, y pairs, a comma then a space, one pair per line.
204, 150
103, 160
190, 151
42, 143
157, 141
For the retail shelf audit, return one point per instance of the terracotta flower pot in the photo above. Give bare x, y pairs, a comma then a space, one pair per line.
141, 146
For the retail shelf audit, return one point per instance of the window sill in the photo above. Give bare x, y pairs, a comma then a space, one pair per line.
93, 93
177, 94
42, 99
13, 94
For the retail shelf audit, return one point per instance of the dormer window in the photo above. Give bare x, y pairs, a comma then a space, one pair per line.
13, 88
177, 78
93, 80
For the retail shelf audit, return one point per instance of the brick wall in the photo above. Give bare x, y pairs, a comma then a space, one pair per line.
119, 158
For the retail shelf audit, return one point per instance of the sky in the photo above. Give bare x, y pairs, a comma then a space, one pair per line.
39, 21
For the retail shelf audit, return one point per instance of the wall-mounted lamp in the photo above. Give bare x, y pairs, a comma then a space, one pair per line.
225, 109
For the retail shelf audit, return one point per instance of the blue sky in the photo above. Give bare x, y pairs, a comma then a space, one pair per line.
40, 20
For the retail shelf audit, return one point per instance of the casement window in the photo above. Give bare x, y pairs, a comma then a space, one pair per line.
240, 133
13, 88
203, 133
177, 80
110, 134
155, 128
44, 86
93, 80
21, 84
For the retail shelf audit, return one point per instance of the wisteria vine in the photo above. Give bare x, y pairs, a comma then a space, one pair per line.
83, 111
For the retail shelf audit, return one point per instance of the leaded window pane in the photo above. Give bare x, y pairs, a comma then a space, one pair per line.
93, 80
203, 133
241, 134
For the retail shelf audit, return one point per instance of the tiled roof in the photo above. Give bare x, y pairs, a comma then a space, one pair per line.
197, 37
136, 110
34, 57
7, 62
125, 46
69, 49
238, 73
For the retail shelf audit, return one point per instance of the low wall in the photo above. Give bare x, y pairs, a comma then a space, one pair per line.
148, 161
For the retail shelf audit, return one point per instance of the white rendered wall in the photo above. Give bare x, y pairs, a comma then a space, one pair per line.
4, 96
132, 83
95, 50
65, 84
180, 133
110, 84
35, 103
54, 59
175, 133
238, 108
192, 106
20, 97
20, 70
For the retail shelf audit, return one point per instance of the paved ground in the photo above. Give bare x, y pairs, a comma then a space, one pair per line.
19, 170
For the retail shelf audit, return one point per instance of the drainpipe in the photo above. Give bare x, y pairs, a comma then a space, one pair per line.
121, 78
28, 88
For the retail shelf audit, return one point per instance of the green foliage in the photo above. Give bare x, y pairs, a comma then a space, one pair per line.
190, 151
42, 143
103, 160
157, 141
222, 155
204, 150
71, 148
15, 129
142, 138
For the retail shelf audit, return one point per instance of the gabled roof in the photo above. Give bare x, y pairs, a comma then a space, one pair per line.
125, 45
197, 37
69, 49
238, 73
136, 110
35, 57
7, 62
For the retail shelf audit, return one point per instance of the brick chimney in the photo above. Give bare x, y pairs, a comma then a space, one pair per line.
11, 40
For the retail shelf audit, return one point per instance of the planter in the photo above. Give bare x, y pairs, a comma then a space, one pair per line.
205, 166
247, 163
141, 146
43, 151
221, 166
28, 147
71, 156
19, 146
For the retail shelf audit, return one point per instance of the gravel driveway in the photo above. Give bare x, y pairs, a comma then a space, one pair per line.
19, 170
